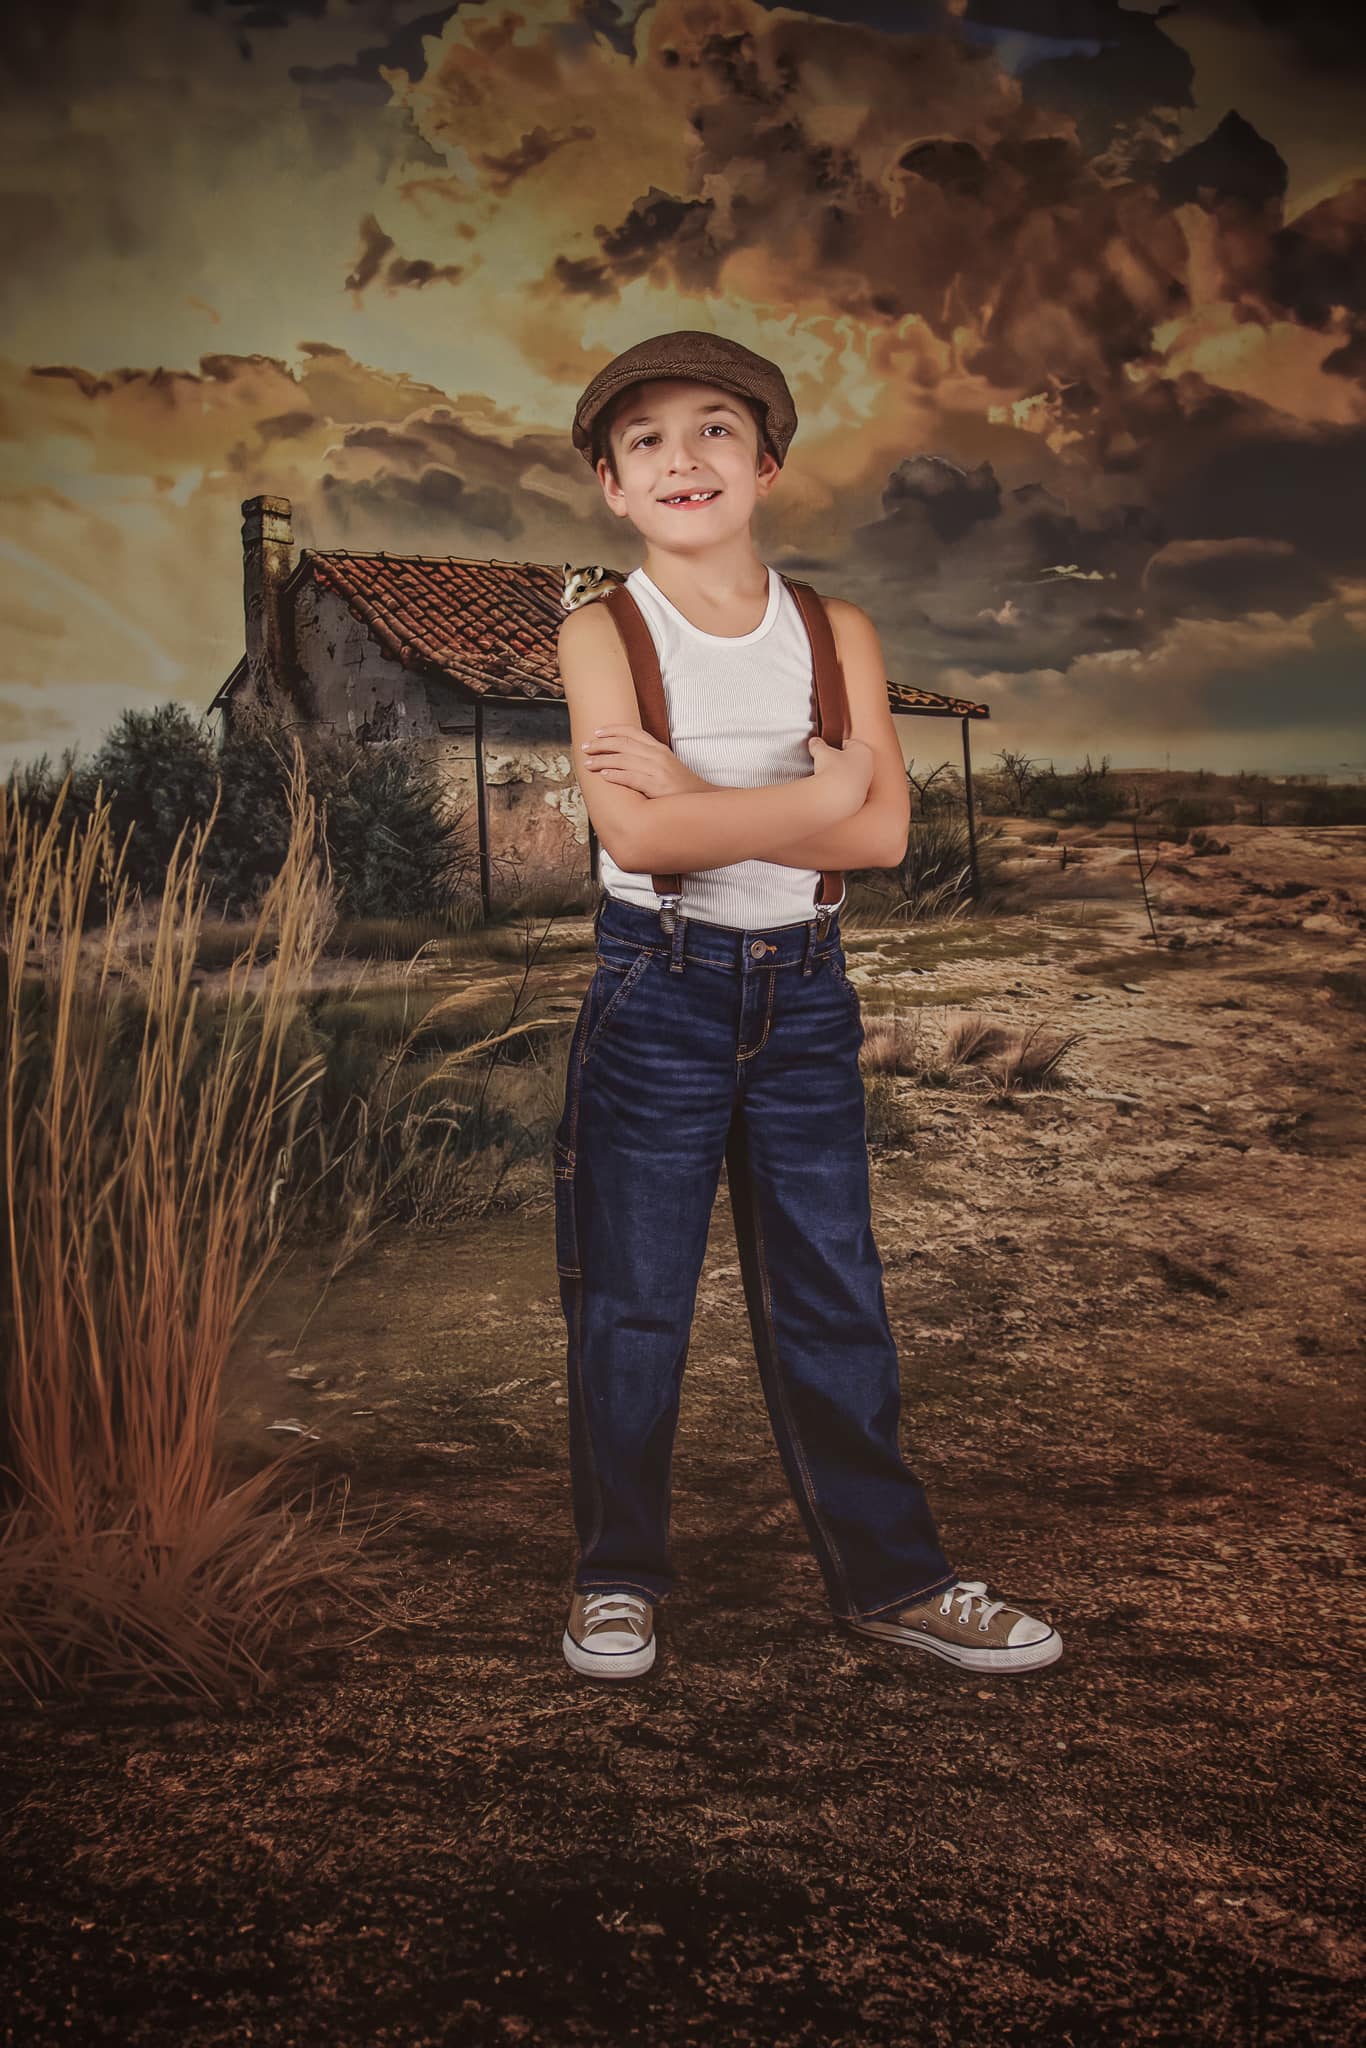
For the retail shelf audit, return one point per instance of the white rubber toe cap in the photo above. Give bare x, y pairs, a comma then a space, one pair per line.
1027, 1630
611, 1642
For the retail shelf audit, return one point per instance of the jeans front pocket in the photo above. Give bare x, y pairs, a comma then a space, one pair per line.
609, 989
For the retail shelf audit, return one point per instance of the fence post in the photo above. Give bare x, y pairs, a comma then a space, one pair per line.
972, 822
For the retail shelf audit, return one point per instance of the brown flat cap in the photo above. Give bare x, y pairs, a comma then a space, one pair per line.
710, 359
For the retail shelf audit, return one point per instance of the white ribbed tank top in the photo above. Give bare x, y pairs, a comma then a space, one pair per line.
740, 716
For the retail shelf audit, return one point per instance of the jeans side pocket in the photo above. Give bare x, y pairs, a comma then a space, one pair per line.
608, 991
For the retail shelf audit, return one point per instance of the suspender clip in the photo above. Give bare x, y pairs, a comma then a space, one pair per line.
668, 911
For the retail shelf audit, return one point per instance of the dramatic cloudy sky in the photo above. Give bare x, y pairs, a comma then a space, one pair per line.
1071, 295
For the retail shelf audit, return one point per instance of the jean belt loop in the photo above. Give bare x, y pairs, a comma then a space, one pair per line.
676, 956
806, 945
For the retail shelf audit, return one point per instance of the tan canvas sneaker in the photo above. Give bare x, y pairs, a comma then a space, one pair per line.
610, 1633
964, 1627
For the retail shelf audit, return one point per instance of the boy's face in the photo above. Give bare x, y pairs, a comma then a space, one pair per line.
672, 437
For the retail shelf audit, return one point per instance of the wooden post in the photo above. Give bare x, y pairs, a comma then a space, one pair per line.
972, 822
481, 805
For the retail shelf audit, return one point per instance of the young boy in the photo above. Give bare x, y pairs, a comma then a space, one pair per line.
723, 1026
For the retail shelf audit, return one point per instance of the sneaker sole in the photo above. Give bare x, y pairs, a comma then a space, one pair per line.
1028, 1656
608, 1663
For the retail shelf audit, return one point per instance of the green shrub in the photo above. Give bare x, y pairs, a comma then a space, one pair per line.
393, 845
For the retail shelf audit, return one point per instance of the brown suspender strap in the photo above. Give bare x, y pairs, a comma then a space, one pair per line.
829, 707
643, 656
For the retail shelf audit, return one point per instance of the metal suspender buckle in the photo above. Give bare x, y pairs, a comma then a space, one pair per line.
824, 913
668, 911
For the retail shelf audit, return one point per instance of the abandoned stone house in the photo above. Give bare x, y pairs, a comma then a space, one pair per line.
455, 655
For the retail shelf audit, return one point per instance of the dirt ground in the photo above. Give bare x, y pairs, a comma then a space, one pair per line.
1131, 1322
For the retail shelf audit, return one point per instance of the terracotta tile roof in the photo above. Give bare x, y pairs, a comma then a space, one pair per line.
488, 627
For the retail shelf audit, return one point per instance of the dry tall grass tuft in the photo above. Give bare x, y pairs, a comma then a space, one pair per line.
140, 1221
970, 1036
1030, 1059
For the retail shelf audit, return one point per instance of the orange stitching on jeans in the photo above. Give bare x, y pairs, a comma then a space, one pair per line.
618, 995
582, 1399
781, 1392
768, 1025
940, 1585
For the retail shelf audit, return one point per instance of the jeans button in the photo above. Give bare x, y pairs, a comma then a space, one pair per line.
756, 950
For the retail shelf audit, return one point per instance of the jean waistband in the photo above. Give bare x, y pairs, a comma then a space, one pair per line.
765, 945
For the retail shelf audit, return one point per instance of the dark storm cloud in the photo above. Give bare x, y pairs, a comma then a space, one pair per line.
986, 221
1213, 465
952, 500
1232, 162
1327, 36
963, 569
1111, 85
397, 272
1280, 483
441, 434
1106, 66
1316, 265
1317, 687
1227, 578
378, 511
1218, 465
535, 148
433, 483
286, 426
655, 222
1318, 262
402, 50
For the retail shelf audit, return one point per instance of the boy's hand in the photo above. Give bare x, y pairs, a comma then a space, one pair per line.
853, 764
629, 755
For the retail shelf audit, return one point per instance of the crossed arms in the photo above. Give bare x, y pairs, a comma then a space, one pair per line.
655, 816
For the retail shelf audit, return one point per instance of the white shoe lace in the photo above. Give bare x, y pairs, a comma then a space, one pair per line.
628, 1607
965, 1592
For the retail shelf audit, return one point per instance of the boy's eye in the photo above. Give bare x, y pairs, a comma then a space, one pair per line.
706, 429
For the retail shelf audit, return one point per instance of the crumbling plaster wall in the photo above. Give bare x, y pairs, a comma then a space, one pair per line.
537, 823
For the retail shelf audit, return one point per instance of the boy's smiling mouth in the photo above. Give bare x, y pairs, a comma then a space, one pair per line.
681, 498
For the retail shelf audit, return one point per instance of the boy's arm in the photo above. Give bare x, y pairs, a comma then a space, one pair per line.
876, 835
697, 829
713, 827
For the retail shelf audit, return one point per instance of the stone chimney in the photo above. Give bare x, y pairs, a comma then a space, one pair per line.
267, 551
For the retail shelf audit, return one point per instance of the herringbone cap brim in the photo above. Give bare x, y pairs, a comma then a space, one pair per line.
707, 359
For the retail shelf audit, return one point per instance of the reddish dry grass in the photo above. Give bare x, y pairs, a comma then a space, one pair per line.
140, 1194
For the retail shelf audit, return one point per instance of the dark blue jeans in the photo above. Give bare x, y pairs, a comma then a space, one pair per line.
693, 1047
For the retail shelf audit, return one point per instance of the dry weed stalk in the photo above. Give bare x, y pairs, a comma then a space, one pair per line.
137, 1179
